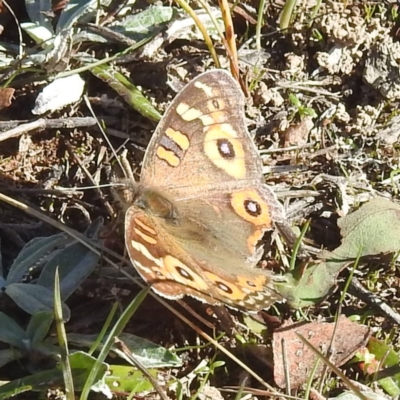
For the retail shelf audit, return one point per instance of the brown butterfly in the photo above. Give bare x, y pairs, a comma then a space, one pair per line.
201, 205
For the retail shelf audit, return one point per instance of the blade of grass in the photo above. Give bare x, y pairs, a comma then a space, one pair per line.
309, 384
206, 7
315, 12
260, 19
337, 315
106, 60
287, 14
297, 245
200, 26
110, 342
104, 329
62, 341
231, 56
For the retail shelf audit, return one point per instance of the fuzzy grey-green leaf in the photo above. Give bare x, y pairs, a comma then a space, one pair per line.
33, 298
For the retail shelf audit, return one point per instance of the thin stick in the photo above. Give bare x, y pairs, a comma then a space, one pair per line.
230, 37
42, 124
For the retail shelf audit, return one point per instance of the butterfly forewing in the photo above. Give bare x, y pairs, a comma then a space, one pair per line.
202, 135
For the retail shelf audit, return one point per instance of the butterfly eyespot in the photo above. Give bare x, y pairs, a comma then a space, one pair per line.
223, 287
184, 273
225, 148
252, 207
250, 283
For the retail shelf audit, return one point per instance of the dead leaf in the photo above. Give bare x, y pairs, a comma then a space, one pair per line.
6, 94
349, 337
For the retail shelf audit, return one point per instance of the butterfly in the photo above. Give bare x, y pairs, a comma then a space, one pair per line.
201, 205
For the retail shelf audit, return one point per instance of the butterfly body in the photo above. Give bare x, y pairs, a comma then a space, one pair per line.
201, 205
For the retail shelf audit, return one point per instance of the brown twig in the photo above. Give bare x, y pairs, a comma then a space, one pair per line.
359, 290
230, 37
42, 124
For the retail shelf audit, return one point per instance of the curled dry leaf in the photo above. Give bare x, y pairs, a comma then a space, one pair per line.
342, 344
6, 94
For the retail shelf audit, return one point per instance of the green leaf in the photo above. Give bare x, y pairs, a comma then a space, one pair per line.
45, 349
254, 325
384, 352
145, 23
83, 362
149, 354
36, 382
386, 357
74, 11
32, 253
10, 355
33, 298
129, 380
39, 326
82, 365
372, 230
126, 90
294, 100
75, 263
310, 112
310, 286
10, 332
